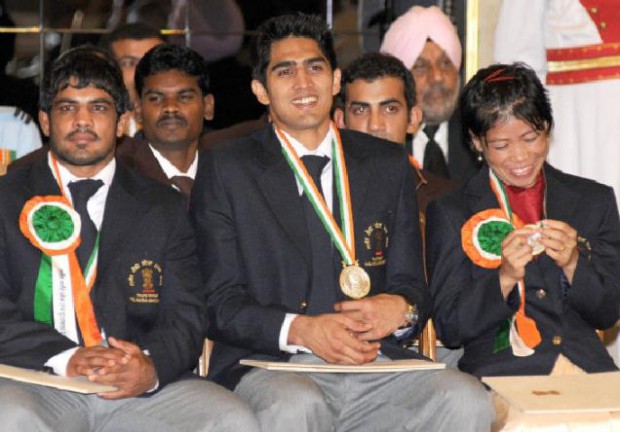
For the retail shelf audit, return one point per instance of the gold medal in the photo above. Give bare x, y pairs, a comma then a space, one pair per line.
354, 282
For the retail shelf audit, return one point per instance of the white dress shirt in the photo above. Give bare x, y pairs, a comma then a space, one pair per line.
420, 139
170, 170
327, 180
95, 207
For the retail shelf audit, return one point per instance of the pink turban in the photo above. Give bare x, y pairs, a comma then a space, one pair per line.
407, 35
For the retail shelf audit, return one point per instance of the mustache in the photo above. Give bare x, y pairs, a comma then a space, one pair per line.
82, 131
173, 117
437, 88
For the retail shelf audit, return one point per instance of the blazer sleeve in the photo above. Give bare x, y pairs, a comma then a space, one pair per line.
405, 269
595, 291
234, 316
467, 300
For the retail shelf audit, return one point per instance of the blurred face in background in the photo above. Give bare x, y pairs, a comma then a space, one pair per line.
437, 83
127, 53
379, 108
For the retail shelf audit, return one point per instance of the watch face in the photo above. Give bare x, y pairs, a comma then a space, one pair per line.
584, 247
412, 314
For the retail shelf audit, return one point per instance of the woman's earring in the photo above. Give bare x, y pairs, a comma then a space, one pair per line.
479, 158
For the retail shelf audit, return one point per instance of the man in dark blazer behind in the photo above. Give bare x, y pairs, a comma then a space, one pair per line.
174, 99
272, 269
121, 308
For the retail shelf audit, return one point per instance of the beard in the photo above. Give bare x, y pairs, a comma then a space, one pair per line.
438, 111
80, 155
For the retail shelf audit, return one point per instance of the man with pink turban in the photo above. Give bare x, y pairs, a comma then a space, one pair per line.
426, 41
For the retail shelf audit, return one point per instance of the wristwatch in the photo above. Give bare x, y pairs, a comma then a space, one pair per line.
411, 316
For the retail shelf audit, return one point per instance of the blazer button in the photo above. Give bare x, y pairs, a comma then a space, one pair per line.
541, 294
557, 340
303, 305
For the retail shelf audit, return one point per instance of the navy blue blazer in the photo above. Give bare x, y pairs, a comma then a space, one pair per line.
147, 246
469, 306
254, 246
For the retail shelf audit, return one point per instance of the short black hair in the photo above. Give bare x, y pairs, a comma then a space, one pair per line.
80, 67
285, 26
136, 31
502, 91
166, 57
374, 65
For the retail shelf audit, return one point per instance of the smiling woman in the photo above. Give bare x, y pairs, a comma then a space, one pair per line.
537, 303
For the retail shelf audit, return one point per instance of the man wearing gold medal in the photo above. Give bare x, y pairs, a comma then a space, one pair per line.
311, 255
99, 278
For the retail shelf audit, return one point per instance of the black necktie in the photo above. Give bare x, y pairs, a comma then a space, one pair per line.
184, 183
320, 241
434, 160
81, 192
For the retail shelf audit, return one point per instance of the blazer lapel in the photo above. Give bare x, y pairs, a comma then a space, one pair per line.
41, 178
561, 203
278, 184
359, 176
479, 194
122, 215
561, 200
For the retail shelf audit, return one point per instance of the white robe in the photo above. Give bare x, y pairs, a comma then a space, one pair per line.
586, 138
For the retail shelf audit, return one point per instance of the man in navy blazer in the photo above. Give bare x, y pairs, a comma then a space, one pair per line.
272, 268
128, 311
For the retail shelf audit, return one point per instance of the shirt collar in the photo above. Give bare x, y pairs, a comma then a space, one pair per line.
170, 170
324, 149
106, 175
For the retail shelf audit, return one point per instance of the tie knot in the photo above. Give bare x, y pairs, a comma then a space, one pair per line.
315, 165
82, 190
430, 131
184, 183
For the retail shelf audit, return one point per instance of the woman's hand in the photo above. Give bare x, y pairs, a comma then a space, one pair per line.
560, 241
516, 254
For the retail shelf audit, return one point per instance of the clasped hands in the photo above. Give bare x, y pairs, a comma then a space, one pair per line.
350, 334
559, 240
122, 364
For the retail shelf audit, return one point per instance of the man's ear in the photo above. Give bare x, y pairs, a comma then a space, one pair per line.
260, 92
339, 118
415, 120
209, 102
336, 84
44, 121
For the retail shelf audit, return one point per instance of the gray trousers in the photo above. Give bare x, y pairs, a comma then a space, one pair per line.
189, 405
436, 400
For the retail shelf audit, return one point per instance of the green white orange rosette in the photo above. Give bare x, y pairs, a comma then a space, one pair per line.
482, 236
51, 224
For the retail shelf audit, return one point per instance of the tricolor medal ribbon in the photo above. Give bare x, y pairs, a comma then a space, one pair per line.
52, 225
354, 281
481, 238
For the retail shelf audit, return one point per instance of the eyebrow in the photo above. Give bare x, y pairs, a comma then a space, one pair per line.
183, 90
92, 101
288, 63
382, 103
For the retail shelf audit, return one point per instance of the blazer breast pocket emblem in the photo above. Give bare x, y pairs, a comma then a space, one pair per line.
377, 241
145, 281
